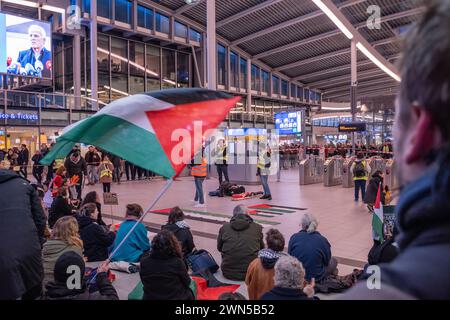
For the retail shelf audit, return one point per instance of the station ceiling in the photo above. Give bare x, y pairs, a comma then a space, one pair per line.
297, 39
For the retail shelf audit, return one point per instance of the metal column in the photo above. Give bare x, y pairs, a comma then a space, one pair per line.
249, 85
94, 68
77, 70
211, 43
354, 83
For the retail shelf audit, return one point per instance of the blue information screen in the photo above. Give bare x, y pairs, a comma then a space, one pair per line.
289, 122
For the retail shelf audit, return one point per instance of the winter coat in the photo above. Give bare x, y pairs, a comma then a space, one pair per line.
96, 239
260, 273
239, 242
279, 293
24, 156
75, 169
314, 252
135, 245
164, 278
421, 269
183, 235
21, 234
59, 291
51, 251
92, 158
372, 189
37, 168
60, 207
382, 253
103, 168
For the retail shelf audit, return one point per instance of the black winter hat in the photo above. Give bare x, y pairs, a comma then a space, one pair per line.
67, 259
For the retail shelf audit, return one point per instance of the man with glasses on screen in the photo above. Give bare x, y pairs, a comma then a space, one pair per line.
36, 61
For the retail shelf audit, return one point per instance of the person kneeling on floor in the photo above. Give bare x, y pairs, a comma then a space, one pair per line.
64, 266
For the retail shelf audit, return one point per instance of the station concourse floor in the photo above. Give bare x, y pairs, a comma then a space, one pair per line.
344, 222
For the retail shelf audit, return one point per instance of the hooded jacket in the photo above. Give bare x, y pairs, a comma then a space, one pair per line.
372, 189
51, 251
21, 234
421, 269
184, 236
96, 239
239, 242
260, 273
74, 167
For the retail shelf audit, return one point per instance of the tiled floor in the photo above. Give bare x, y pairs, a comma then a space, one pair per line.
346, 224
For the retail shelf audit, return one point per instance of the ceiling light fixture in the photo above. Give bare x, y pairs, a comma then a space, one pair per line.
379, 64
334, 18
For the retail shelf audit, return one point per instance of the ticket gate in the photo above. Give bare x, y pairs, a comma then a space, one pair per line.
332, 171
311, 170
377, 163
347, 175
390, 178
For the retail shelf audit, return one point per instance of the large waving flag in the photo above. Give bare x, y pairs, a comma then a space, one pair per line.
377, 218
146, 129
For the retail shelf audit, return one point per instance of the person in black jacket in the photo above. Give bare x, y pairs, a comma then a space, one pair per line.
24, 157
76, 166
22, 230
289, 281
181, 230
96, 239
372, 190
92, 197
93, 160
58, 289
163, 272
60, 207
37, 168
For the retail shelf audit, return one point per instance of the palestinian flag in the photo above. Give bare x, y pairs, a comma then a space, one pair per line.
157, 131
377, 218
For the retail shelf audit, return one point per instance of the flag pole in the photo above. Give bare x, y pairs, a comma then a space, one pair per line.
150, 207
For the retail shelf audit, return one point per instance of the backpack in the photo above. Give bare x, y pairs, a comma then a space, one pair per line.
359, 170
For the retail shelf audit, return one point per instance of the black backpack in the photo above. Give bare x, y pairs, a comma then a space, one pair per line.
359, 171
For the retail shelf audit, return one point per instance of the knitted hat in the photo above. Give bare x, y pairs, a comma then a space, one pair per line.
67, 259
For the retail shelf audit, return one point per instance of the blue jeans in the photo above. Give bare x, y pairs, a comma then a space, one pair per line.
265, 184
360, 184
199, 189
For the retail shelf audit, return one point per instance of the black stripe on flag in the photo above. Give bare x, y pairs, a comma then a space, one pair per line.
188, 95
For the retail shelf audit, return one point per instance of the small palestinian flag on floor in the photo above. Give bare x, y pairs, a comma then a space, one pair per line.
377, 218
151, 130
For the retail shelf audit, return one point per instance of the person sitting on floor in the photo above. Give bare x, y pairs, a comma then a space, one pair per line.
93, 197
58, 289
313, 250
260, 272
163, 272
64, 237
97, 239
290, 281
181, 230
137, 243
239, 241
60, 207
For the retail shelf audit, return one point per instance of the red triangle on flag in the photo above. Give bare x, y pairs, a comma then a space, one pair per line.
377, 204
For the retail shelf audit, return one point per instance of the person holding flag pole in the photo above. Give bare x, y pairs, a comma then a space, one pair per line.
377, 218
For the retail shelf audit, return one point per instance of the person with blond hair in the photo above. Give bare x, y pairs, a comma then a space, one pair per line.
64, 237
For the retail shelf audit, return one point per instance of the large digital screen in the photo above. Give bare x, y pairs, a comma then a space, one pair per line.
288, 122
25, 46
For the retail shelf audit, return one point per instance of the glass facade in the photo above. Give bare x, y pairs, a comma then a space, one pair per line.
255, 78
123, 11
234, 69
265, 78
137, 69
275, 85
243, 73
180, 30
284, 88
195, 35
306, 95
293, 93
182, 70
145, 17
300, 93
168, 69
104, 8
221, 64
162, 23
153, 68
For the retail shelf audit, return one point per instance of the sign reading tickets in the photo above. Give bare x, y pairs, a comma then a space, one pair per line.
110, 198
352, 127
19, 116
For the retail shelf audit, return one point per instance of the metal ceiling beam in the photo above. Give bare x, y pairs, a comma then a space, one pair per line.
246, 12
327, 55
364, 92
336, 32
337, 69
187, 7
332, 81
361, 85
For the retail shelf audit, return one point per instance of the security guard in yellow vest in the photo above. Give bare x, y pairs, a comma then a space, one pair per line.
360, 170
199, 171
263, 170
221, 161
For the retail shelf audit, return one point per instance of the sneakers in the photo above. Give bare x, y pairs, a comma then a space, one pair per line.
266, 196
200, 205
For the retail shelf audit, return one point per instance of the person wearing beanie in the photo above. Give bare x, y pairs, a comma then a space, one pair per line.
137, 243
66, 286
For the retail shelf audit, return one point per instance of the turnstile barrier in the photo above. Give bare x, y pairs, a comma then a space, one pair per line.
390, 178
311, 170
347, 175
377, 163
332, 171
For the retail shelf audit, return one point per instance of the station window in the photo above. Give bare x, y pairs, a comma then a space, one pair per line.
168, 69
306, 95
123, 11
180, 30
221, 64
234, 70
275, 85
318, 97
145, 17
137, 68
300, 93
195, 35
284, 88
153, 68
182, 70
255, 78
104, 8
243, 73
312, 96
162, 23
293, 91
85, 5
265, 81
